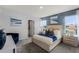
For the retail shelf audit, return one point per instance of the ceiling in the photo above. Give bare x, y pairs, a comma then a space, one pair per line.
35, 10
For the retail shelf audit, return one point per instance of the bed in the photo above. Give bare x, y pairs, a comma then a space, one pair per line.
47, 43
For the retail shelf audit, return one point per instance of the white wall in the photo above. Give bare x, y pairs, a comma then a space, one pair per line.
5, 16
1, 18
37, 25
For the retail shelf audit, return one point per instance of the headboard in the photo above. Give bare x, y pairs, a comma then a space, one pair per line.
56, 28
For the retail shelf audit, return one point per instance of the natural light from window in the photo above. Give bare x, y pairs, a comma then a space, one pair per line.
70, 20
43, 23
71, 25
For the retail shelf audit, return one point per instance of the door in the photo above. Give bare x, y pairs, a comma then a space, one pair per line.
30, 28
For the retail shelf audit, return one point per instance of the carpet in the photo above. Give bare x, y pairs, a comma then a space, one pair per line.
30, 48
33, 48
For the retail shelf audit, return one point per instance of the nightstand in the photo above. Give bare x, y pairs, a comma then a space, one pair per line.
70, 40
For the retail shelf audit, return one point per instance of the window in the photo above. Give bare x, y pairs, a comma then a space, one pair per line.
43, 23
70, 20
71, 25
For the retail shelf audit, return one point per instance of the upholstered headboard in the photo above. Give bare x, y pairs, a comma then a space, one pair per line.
56, 28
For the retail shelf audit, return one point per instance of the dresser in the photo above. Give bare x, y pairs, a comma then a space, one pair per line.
70, 40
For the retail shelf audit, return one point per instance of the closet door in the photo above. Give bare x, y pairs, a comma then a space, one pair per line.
30, 28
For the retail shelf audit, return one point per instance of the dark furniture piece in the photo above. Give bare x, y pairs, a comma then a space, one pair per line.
2, 39
15, 37
30, 28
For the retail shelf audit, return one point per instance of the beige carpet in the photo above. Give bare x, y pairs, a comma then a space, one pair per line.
63, 48
33, 48
30, 48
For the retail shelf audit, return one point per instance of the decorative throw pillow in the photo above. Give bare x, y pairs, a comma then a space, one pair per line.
54, 38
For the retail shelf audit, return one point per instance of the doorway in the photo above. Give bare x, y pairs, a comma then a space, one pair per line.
30, 28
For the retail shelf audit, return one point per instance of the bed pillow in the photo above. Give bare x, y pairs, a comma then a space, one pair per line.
54, 38
57, 33
42, 34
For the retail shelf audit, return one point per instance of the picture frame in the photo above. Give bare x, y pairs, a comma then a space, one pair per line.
15, 22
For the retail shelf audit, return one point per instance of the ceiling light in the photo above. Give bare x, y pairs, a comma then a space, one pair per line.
41, 7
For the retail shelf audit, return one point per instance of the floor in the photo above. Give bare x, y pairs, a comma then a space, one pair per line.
25, 46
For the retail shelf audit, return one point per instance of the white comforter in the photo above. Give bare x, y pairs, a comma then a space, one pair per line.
45, 42
43, 39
